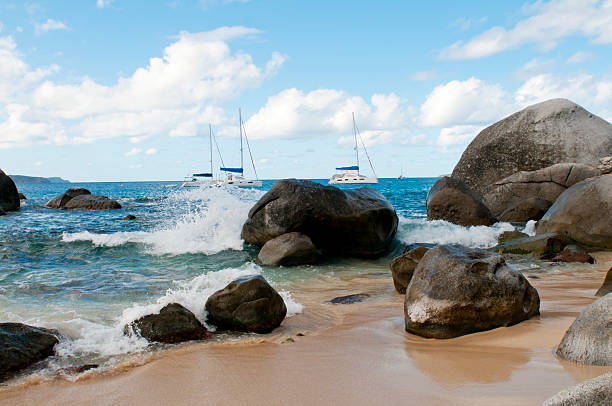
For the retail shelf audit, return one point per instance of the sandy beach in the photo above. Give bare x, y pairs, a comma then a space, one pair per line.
353, 354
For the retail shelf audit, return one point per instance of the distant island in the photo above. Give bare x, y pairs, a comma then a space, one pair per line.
21, 179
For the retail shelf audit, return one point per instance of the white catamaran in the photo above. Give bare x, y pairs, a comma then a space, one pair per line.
350, 174
202, 179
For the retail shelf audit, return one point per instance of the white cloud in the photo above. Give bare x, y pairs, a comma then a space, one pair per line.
49, 25
39, 163
534, 67
103, 3
458, 134
423, 75
579, 57
133, 151
549, 23
151, 151
582, 88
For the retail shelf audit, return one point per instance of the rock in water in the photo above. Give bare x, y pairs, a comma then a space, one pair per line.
22, 345
452, 200
522, 211
22, 196
357, 222
456, 290
551, 243
60, 201
288, 250
92, 202
9, 196
606, 286
589, 338
350, 299
582, 213
594, 392
547, 133
246, 304
403, 267
173, 324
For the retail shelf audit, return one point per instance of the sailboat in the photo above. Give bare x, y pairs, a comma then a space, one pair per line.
350, 174
234, 176
202, 179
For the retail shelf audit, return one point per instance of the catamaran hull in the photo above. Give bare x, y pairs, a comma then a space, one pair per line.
352, 181
240, 183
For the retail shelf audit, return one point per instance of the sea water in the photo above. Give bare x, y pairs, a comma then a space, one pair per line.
88, 273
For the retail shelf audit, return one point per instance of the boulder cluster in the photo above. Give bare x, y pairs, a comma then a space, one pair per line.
80, 198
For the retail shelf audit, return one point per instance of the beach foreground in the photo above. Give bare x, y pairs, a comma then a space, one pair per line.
354, 354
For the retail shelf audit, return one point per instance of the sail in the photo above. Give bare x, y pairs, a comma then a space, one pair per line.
203, 175
348, 168
235, 170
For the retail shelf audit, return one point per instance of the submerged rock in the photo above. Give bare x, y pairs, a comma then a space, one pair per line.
350, 299
569, 256
606, 286
22, 345
131, 217
508, 236
60, 201
9, 196
403, 267
289, 249
550, 243
22, 196
92, 202
452, 200
593, 392
456, 290
246, 304
358, 222
589, 338
533, 208
173, 324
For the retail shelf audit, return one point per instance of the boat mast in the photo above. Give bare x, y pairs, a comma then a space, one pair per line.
241, 157
211, 149
356, 148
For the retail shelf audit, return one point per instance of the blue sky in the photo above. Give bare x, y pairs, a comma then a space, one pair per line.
119, 90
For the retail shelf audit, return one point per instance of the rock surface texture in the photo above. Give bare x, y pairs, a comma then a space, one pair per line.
550, 243
452, 200
582, 213
60, 201
456, 290
357, 222
522, 211
589, 338
594, 392
541, 135
22, 345
92, 202
403, 267
9, 196
246, 304
288, 250
173, 324
606, 286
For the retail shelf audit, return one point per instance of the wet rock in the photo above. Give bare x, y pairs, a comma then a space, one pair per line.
2, 212
551, 243
533, 208
456, 290
605, 165
403, 267
452, 200
92, 202
350, 299
593, 392
508, 236
246, 304
9, 196
358, 222
22, 196
606, 286
60, 201
131, 217
589, 338
173, 324
568, 256
289, 249
22, 345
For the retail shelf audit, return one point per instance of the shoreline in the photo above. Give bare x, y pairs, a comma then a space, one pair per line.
350, 354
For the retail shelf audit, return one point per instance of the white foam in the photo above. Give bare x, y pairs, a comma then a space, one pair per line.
530, 228
414, 230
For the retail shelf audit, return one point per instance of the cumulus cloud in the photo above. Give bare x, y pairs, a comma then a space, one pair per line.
458, 134
579, 57
49, 25
548, 23
133, 151
103, 3
151, 151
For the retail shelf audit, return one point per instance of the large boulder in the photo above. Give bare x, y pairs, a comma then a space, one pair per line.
60, 201
288, 250
9, 196
522, 211
457, 290
246, 304
541, 135
173, 324
593, 392
545, 184
22, 345
358, 222
583, 213
606, 286
452, 200
403, 267
92, 202
589, 338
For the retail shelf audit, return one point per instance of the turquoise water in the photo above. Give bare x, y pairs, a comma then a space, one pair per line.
88, 273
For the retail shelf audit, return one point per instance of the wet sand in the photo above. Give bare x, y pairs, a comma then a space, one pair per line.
354, 354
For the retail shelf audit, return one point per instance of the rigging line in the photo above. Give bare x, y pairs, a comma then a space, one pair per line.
249, 148
366, 151
218, 150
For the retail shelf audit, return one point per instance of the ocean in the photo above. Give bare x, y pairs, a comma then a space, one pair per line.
88, 273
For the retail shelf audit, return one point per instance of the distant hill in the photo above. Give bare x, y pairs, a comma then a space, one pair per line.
21, 179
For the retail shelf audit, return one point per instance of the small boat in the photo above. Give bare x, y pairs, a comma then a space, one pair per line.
401, 176
202, 179
350, 174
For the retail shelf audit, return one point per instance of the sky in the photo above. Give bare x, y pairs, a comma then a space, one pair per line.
125, 90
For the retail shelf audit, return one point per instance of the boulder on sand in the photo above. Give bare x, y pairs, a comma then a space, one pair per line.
606, 286
22, 345
452, 200
9, 196
589, 338
582, 213
592, 392
173, 324
60, 201
246, 304
358, 222
288, 250
92, 202
541, 135
522, 211
403, 267
457, 290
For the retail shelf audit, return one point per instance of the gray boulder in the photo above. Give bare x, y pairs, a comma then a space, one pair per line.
452, 200
522, 211
92, 202
9, 196
456, 290
289, 249
246, 304
22, 345
605, 165
593, 392
541, 135
550, 243
589, 338
60, 201
358, 222
403, 267
606, 286
582, 213
173, 324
